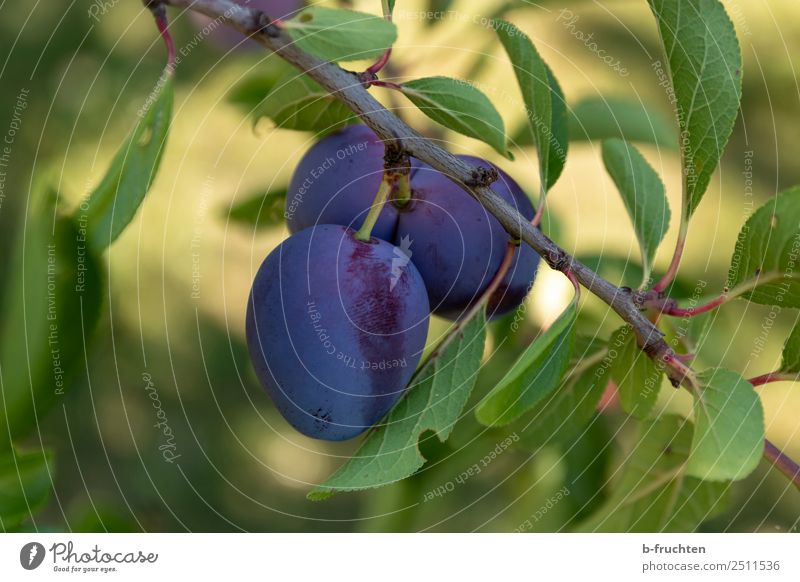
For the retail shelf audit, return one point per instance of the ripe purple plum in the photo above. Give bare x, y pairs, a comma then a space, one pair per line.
336, 182
455, 243
335, 329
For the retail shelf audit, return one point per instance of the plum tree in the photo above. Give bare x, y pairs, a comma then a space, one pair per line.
335, 328
454, 242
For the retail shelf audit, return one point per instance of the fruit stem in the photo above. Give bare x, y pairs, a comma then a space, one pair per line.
376, 67
403, 194
773, 377
672, 270
364, 233
160, 15
783, 462
384, 84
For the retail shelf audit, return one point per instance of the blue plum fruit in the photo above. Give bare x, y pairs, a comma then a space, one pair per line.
335, 328
336, 182
455, 243
458, 246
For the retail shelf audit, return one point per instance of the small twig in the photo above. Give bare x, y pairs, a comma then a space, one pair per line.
680, 245
378, 65
783, 462
773, 377
160, 15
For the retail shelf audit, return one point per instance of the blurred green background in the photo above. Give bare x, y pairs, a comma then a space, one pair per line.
241, 467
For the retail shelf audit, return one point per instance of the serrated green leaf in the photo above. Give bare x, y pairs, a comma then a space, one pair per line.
434, 401
534, 84
729, 427
638, 378
535, 374
25, 484
643, 194
113, 204
300, 103
459, 106
791, 352
559, 139
767, 252
653, 492
563, 416
599, 118
341, 35
260, 210
51, 307
705, 65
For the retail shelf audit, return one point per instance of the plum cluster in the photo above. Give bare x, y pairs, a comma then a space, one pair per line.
336, 325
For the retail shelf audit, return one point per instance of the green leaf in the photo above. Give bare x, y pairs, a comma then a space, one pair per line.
705, 65
559, 140
638, 378
599, 118
653, 492
563, 416
252, 90
341, 35
458, 106
52, 305
260, 210
729, 427
534, 83
535, 374
434, 401
113, 204
25, 484
791, 352
297, 102
643, 194
767, 250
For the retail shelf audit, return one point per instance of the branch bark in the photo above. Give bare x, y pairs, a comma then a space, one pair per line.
346, 86
349, 88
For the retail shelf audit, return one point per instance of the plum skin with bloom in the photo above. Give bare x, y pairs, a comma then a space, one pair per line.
455, 243
335, 328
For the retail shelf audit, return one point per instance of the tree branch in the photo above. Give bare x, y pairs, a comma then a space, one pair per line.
351, 90
345, 86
